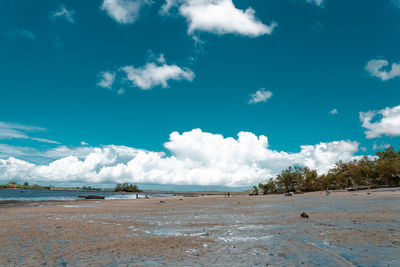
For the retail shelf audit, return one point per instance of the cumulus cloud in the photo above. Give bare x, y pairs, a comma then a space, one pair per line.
124, 11
387, 122
382, 146
376, 68
219, 17
156, 74
63, 13
197, 158
19, 131
319, 3
106, 79
21, 34
260, 96
333, 111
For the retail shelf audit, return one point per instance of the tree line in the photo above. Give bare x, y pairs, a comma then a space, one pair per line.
15, 185
383, 170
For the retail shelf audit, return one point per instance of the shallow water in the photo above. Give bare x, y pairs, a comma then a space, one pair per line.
46, 195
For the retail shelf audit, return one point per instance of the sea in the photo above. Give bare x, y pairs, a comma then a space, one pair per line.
43, 195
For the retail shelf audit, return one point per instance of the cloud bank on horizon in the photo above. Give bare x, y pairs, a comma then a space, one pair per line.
197, 158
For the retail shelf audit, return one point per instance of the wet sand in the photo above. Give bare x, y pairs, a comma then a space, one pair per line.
344, 229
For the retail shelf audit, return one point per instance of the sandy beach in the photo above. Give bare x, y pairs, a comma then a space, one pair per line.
343, 229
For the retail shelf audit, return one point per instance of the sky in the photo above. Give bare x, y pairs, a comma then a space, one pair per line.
192, 93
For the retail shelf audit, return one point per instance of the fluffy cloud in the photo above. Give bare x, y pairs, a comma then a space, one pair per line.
106, 79
382, 146
19, 131
219, 17
63, 13
319, 3
387, 122
197, 158
260, 96
124, 11
21, 34
376, 69
334, 111
156, 73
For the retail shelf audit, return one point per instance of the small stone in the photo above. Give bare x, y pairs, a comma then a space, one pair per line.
304, 215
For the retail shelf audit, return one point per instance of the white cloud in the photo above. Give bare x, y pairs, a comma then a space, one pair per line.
19, 131
219, 17
260, 96
63, 13
21, 34
387, 122
333, 111
319, 3
106, 79
156, 74
124, 11
83, 143
376, 69
197, 158
382, 146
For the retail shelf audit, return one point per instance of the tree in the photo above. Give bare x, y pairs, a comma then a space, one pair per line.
126, 188
289, 178
255, 190
311, 181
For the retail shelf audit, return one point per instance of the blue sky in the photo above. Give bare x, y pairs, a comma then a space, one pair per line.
81, 76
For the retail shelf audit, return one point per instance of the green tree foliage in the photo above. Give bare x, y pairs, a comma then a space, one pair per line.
26, 185
255, 190
126, 188
268, 188
383, 170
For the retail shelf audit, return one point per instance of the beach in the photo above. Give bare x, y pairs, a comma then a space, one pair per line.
343, 229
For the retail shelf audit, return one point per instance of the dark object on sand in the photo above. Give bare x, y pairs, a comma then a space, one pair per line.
289, 194
92, 197
304, 215
356, 188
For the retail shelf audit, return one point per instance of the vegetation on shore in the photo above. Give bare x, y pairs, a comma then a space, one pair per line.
25, 185
380, 171
14, 185
127, 188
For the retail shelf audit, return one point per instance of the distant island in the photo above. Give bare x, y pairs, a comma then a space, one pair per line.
14, 185
25, 185
130, 188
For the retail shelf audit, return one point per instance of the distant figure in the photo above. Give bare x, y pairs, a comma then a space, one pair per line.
137, 196
229, 194
146, 197
327, 192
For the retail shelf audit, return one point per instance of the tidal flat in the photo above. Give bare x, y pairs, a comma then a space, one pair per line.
343, 229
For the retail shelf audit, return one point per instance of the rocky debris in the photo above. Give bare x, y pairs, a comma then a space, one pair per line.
304, 215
